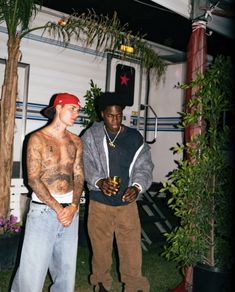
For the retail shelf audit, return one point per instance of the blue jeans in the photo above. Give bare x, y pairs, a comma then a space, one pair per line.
47, 245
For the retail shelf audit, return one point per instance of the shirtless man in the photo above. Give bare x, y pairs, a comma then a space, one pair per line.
55, 174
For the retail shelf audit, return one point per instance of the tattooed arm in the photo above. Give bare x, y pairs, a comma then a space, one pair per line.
67, 215
34, 167
78, 173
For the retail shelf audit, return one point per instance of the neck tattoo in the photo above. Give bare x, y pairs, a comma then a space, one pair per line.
111, 142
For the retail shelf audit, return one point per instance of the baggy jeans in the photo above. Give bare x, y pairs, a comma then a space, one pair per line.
47, 245
103, 222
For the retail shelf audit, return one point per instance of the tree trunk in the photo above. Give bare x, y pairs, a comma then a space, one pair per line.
7, 122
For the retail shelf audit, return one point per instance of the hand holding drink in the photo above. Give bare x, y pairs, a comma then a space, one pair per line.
114, 184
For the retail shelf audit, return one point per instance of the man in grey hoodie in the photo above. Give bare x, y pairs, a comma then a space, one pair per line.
112, 149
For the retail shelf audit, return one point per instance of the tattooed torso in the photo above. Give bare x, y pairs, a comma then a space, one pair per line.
53, 160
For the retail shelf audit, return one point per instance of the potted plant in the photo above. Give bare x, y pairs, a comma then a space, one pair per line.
10, 231
200, 187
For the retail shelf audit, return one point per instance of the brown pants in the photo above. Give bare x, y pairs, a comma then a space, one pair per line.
103, 222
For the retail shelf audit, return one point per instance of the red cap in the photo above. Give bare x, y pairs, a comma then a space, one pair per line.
66, 98
61, 98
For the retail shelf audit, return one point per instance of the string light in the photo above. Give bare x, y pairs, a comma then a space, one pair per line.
62, 22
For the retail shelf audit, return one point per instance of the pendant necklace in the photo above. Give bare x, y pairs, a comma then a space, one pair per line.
111, 142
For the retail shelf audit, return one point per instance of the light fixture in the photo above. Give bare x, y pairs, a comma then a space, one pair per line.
127, 49
62, 22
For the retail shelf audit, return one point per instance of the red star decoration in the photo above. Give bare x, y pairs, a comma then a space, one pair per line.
124, 79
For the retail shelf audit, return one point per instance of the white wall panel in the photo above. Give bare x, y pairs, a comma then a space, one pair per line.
54, 69
167, 101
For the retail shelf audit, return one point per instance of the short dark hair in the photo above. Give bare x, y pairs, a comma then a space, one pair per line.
110, 98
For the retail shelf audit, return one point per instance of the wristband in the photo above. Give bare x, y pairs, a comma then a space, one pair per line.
136, 187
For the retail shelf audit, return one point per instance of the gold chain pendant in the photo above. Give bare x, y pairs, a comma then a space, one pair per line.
111, 144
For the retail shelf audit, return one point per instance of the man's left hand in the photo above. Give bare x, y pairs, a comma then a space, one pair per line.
130, 194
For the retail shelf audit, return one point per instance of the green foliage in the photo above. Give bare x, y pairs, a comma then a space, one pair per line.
17, 14
201, 186
90, 103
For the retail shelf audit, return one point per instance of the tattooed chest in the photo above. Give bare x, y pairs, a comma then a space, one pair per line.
57, 153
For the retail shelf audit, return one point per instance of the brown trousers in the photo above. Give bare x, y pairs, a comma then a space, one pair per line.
104, 222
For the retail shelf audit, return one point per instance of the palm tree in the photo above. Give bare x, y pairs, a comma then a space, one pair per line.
103, 32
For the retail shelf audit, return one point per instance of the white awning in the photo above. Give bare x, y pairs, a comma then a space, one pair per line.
221, 24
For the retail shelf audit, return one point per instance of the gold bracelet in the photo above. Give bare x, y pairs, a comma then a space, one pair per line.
73, 204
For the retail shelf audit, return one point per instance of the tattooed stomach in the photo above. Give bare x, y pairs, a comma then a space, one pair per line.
60, 183
62, 187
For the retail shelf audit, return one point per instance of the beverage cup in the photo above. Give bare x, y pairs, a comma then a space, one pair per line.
115, 180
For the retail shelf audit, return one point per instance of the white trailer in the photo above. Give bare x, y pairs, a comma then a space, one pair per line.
47, 67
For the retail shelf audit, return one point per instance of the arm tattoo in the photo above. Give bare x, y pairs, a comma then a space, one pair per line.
78, 176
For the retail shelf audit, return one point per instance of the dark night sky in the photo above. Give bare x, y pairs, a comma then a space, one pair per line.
160, 25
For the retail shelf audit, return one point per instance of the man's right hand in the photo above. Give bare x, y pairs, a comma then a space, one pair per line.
107, 187
65, 216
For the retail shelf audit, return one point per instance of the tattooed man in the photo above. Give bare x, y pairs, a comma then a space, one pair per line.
55, 174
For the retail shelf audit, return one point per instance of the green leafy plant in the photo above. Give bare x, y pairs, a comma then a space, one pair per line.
90, 103
200, 187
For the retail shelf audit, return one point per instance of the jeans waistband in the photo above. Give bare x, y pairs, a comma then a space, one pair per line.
62, 204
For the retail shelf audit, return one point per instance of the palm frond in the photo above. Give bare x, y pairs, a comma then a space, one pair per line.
28, 10
105, 33
17, 14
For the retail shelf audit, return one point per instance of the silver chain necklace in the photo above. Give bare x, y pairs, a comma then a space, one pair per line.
111, 142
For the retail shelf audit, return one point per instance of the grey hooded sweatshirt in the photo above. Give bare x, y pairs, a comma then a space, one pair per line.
96, 156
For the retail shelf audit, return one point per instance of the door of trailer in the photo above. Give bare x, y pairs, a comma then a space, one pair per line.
125, 76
